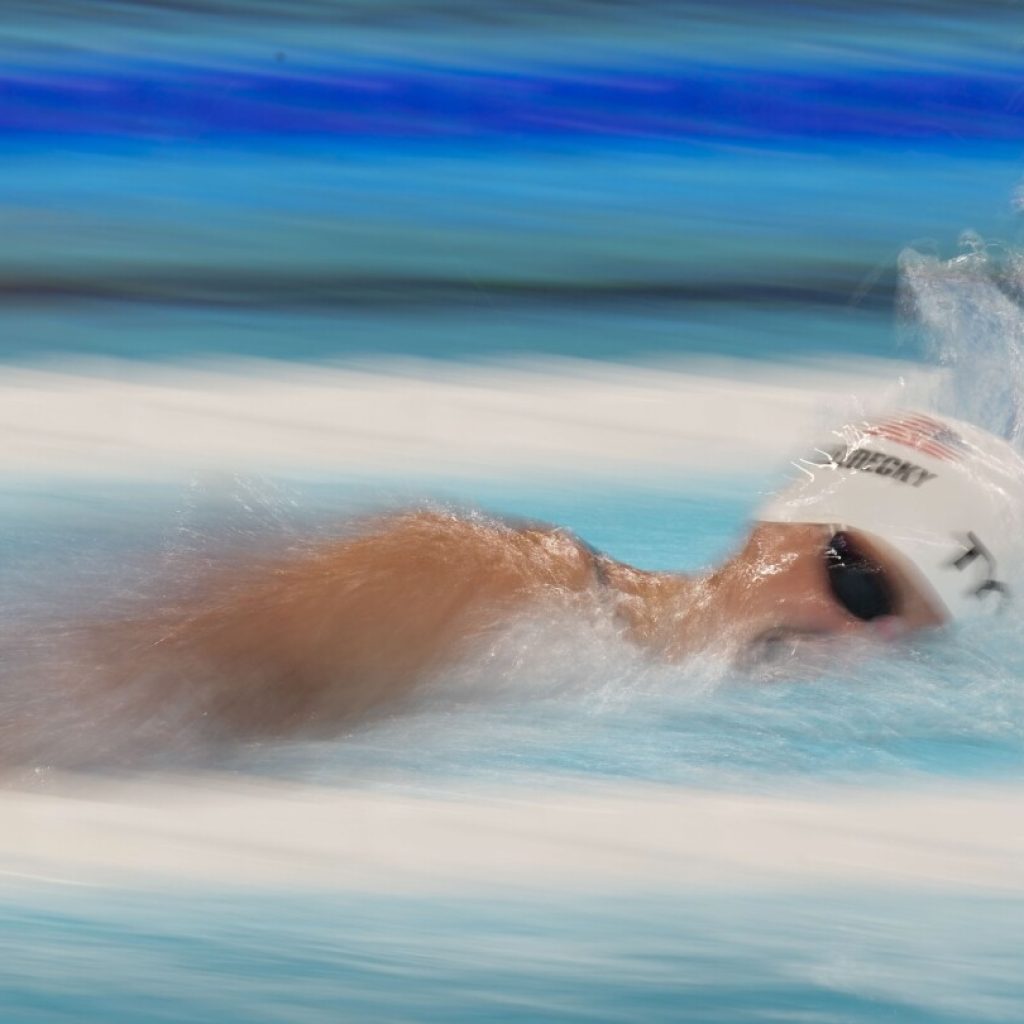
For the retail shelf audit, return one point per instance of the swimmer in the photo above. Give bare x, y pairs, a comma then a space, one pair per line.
891, 526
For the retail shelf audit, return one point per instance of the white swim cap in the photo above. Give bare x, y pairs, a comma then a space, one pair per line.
945, 495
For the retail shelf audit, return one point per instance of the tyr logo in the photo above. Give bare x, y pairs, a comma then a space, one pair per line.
989, 584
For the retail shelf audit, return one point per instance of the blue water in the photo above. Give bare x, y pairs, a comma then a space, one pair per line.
211, 956
346, 181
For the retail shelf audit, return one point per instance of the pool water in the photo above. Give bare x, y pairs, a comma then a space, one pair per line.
704, 236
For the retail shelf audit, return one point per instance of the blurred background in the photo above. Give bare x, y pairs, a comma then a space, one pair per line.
264, 265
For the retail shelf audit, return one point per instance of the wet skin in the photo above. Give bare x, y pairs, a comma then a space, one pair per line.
342, 631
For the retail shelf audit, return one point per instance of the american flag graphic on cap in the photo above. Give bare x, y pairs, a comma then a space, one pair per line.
923, 433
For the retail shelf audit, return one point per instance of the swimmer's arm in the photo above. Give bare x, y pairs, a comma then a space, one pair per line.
353, 626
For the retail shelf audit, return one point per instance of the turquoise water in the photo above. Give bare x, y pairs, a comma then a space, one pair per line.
819, 956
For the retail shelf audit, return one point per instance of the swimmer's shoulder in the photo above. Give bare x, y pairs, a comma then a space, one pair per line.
515, 549
560, 544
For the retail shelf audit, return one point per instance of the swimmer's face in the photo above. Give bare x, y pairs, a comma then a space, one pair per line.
799, 580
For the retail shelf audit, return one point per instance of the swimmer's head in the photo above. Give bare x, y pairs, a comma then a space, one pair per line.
917, 508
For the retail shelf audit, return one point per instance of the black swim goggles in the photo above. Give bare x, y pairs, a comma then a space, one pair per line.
858, 583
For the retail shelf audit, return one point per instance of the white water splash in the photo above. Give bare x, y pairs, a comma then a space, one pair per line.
967, 314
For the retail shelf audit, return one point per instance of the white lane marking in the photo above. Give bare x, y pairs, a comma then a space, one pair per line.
111, 419
224, 832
